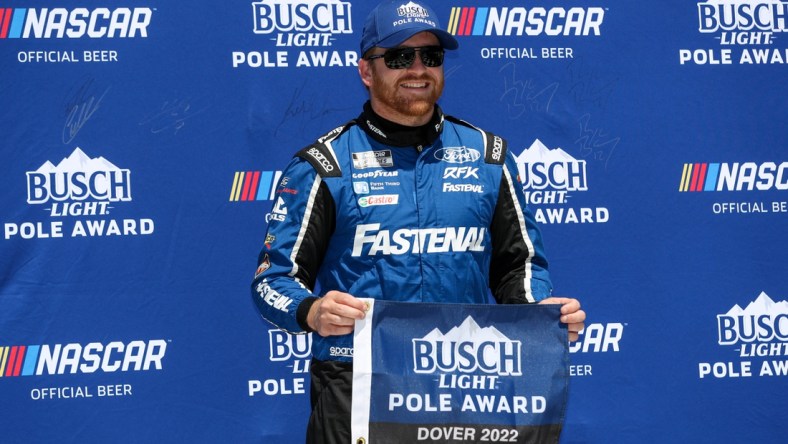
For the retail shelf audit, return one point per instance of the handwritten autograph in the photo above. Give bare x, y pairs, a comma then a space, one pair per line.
80, 108
170, 116
594, 142
522, 96
587, 86
305, 107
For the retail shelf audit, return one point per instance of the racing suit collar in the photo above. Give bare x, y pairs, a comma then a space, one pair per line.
394, 134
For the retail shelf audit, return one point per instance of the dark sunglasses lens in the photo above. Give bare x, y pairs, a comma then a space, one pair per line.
431, 57
399, 58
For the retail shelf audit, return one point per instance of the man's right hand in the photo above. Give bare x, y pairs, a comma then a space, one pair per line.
335, 314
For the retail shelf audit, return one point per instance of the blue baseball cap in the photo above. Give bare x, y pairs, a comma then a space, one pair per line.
393, 22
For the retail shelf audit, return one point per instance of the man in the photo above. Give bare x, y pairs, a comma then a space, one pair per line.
403, 203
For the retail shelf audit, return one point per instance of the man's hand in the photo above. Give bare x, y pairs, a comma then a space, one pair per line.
335, 314
571, 314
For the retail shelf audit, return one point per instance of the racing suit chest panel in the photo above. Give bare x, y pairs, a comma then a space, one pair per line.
412, 226
376, 220
457, 193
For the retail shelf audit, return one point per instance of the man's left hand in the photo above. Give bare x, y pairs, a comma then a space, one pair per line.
571, 314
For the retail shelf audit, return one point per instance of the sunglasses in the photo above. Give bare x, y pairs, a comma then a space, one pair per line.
401, 58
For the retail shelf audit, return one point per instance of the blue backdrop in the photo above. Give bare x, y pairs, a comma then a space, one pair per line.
140, 140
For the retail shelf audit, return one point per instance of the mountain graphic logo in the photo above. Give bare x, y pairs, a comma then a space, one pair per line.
542, 168
78, 177
467, 348
762, 320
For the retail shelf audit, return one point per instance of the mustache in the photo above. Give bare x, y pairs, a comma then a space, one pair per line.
419, 78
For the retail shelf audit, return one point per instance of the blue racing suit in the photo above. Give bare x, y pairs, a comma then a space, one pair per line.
377, 210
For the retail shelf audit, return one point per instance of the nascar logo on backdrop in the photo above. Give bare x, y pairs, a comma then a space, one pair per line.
79, 192
524, 23
549, 177
747, 31
73, 23
757, 332
82, 359
307, 24
738, 177
254, 185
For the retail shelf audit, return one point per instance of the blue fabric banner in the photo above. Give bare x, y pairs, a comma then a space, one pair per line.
445, 373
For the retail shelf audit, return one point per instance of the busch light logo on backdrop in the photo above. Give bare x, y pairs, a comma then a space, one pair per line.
78, 194
759, 334
750, 16
73, 23
295, 352
299, 24
79, 178
747, 31
549, 178
487, 351
762, 321
739, 178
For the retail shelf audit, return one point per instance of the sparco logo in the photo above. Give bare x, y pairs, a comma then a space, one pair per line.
315, 16
75, 358
417, 240
763, 320
467, 348
457, 154
74, 23
742, 15
497, 148
325, 163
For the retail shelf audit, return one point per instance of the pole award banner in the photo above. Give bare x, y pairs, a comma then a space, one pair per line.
446, 373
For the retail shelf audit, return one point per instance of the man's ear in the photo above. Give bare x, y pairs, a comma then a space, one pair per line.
365, 72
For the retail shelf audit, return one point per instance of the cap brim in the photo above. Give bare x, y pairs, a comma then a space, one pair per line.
446, 40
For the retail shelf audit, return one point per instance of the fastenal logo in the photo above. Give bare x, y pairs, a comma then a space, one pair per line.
744, 28
519, 21
549, 176
74, 23
467, 348
760, 331
61, 359
294, 24
416, 240
79, 186
254, 185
